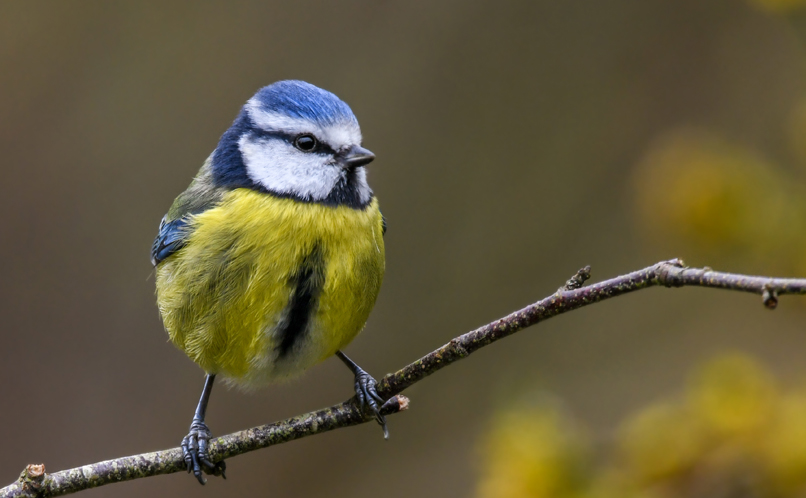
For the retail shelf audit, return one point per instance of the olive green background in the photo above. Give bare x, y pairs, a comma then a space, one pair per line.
506, 136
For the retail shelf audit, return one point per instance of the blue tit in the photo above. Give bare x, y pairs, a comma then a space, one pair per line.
271, 260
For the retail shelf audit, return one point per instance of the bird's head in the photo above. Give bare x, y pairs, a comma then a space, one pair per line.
293, 139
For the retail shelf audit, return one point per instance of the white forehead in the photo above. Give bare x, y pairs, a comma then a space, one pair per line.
338, 136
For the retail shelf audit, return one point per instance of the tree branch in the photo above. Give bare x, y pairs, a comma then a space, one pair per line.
34, 482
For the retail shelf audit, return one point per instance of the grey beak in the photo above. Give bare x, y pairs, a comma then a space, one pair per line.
356, 156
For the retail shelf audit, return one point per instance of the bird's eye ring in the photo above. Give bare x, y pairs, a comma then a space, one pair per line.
306, 143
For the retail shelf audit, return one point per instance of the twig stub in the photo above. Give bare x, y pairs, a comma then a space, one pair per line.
671, 273
769, 297
578, 280
32, 478
395, 404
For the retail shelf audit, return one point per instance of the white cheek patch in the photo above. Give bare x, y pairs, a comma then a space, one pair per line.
280, 167
364, 192
338, 136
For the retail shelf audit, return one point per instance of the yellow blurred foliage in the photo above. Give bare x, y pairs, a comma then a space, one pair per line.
784, 448
735, 432
704, 196
778, 6
733, 396
532, 452
660, 442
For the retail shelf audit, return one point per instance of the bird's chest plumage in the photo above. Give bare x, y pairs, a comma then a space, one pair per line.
266, 287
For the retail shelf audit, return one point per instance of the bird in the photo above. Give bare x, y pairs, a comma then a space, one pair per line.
272, 259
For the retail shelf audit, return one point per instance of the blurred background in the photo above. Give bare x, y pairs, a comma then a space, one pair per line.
516, 142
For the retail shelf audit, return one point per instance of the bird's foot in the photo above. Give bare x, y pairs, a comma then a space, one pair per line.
367, 395
194, 452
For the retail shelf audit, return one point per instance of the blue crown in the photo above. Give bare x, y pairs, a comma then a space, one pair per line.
298, 99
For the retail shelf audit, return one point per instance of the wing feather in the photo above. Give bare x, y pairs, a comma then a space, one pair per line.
171, 237
175, 229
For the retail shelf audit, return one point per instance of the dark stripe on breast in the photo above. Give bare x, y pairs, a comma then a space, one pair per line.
307, 283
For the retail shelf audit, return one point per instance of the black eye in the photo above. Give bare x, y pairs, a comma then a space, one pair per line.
305, 143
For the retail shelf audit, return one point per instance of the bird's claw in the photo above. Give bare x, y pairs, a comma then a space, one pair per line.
367, 394
196, 456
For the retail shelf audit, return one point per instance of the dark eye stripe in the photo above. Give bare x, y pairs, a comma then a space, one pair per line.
322, 147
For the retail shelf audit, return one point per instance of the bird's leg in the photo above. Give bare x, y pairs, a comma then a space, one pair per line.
366, 391
194, 445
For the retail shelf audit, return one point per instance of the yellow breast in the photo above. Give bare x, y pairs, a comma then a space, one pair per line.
266, 287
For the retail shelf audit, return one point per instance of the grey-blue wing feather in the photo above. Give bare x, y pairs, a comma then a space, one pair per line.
201, 195
171, 237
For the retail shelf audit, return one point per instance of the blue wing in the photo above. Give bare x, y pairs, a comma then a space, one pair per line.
172, 237
175, 228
